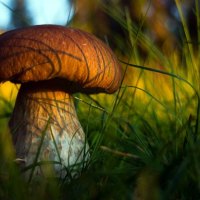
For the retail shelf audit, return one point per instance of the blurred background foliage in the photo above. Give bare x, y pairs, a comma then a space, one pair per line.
159, 19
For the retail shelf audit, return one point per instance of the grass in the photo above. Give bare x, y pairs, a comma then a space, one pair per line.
144, 139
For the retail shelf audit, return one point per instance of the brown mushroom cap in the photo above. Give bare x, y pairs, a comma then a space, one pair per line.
68, 55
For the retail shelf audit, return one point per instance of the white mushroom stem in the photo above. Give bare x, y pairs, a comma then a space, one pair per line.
45, 127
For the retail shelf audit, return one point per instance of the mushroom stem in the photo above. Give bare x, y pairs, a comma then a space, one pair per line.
45, 127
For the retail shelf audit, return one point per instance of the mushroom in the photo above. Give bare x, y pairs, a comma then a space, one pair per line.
51, 63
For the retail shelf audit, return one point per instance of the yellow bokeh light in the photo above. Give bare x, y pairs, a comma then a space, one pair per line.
9, 90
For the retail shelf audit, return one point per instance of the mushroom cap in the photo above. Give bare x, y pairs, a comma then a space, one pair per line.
71, 56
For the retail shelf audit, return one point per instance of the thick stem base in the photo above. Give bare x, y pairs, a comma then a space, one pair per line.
47, 134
